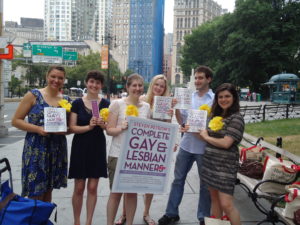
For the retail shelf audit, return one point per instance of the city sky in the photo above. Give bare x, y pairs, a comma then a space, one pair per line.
14, 9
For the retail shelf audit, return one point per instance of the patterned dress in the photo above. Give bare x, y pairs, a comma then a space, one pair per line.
44, 160
220, 166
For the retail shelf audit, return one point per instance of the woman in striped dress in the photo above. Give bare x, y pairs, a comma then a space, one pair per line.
221, 158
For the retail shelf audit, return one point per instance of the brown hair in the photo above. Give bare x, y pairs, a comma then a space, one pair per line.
95, 74
133, 77
60, 68
235, 107
206, 70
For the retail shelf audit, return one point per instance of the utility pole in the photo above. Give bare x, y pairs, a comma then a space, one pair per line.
3, 129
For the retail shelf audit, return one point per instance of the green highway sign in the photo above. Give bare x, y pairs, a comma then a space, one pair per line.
47, 54
47, 50
27, 50
73, 56
26, 46
119, 86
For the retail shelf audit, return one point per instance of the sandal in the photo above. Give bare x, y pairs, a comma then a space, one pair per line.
148, 220
121, 220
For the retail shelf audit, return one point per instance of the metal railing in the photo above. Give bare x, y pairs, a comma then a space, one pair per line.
261, 113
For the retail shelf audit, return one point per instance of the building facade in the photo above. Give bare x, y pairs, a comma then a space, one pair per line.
167, 63
146, 31
77, 20
30, 29
120, 30
188, 14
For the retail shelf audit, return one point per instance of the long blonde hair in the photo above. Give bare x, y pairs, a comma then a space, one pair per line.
150, 96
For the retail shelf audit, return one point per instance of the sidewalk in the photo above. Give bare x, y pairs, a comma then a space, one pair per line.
188, 207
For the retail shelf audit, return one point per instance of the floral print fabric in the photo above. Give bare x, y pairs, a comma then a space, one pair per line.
44, 160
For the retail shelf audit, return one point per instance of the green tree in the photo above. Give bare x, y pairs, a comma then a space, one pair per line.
246, 47
15, 86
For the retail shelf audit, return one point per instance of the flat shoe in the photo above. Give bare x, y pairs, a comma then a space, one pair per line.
121, 220
148, 220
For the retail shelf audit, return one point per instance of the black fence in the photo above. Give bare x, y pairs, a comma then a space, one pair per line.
261, 113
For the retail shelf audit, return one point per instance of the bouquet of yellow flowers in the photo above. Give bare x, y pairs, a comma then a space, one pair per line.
216, 123
65, 104
131, 110
104, 114
205, 107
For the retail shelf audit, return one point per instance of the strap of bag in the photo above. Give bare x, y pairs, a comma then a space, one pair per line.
6, 200
6, 205
243, 155
295, 194
33, 211
296, 167
288, 170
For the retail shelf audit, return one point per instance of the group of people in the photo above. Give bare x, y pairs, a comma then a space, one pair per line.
45, 161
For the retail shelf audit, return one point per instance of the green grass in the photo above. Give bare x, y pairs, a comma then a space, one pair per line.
288, 129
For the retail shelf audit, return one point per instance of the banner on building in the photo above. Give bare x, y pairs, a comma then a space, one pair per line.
146, 155
104, 57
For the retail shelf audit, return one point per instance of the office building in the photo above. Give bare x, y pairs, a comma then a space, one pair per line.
188, 15
77, 20
146, 33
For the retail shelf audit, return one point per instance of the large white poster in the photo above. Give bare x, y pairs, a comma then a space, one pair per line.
145, 160
183, 97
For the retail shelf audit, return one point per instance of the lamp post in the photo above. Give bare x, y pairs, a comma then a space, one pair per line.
108, 39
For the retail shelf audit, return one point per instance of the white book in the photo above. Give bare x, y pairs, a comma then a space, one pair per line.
55, 119
183, 97
161, 107
196, 120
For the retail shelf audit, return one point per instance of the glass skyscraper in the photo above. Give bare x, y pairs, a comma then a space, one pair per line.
146, 33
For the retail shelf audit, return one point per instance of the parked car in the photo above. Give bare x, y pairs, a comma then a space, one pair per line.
76, 91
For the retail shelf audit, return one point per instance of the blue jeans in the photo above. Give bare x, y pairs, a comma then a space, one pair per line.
184, 163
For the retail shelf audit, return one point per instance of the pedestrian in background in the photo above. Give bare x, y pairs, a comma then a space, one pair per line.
221, 157
44, 160
116, 127
88, 152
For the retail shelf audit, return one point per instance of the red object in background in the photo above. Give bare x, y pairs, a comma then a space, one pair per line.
10, 54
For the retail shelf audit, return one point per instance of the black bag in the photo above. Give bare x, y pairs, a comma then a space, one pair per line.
251, 168
297, 217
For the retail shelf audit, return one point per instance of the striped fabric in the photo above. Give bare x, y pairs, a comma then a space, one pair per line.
220, 166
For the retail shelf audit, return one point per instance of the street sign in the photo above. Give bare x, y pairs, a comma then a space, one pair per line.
27, 50
67, 56
47, 54
6, 70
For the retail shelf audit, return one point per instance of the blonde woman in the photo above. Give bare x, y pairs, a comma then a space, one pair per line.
158, 87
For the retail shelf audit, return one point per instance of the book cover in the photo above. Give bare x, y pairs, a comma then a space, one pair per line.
183, 97
55, 119
161, 107
197, 120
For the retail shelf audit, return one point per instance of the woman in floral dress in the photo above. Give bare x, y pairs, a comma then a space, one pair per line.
44, 160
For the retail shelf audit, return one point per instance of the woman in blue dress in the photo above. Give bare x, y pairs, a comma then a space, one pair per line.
88, 154
44, 160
